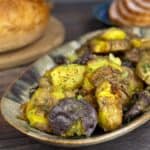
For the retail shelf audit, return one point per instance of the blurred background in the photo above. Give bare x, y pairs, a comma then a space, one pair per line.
77, 16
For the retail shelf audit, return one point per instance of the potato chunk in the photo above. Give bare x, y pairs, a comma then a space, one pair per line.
102, 46
110, 107
99, 62
94, 64
143, 67
38, 119
114, 34
67, 77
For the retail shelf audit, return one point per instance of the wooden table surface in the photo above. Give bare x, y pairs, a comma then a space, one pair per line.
77, 18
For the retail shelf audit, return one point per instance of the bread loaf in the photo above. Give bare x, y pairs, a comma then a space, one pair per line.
21, 22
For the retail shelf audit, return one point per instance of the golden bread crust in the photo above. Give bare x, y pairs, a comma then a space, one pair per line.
21, 18
17, 15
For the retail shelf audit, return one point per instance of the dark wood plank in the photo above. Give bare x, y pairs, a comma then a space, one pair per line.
78, 20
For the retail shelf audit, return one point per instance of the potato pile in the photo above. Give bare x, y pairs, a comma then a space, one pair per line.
104, 83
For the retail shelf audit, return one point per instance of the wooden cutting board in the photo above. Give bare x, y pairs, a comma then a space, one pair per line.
53, 37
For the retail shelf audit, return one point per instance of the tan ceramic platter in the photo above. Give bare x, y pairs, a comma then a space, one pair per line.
18, 93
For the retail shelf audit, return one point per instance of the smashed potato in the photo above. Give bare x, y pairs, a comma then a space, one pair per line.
37, 118
110, 110
101, 46
67, 77
143, 67
114, 34
93, 65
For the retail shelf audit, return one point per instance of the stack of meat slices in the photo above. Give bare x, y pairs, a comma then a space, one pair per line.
130, 12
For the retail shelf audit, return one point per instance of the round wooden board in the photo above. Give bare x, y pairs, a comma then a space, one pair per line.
53, 37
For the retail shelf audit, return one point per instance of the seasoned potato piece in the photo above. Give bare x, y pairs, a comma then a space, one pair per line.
99, 62
106, 73
73, 117
110, 107
94, 64
101, 46
41, 97
57, 94
87, 85
134, 83
114, 34
36, 108
38, 119
67, 77
125, 82
76, 129
141, 105
145, 43
90, 98
143, 67
136, 42
132, 55
110, 117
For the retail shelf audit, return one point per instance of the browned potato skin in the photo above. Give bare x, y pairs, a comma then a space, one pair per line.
141, 105
90, 98
112, 75
110, 107
108, 46
133, 55
135, 83
110, 117
125, 82
143, 67
107, 73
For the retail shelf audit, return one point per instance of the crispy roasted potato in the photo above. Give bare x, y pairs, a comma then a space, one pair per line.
114, 34
41, 97
142, 104
56, 94
102, 46
132, 55
99, 62
73, 117
143, 67
67, 77
136, 42
96, 63
110, 107
134, 83
36, 109
91, 99
87, 85
37, 118
124, 81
